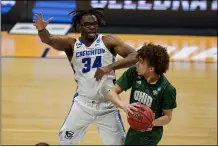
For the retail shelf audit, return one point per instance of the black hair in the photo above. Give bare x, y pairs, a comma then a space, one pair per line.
77, 15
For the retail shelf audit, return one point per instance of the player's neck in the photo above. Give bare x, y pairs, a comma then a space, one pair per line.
87, 41
152, 79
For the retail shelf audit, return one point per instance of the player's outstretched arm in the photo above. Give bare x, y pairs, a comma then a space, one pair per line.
117, 46
57, 42
125, 51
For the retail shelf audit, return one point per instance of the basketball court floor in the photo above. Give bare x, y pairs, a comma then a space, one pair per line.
37, 90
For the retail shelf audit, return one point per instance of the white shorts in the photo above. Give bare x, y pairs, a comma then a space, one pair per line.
84, 112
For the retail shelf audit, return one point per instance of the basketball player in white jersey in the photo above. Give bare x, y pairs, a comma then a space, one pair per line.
92, 58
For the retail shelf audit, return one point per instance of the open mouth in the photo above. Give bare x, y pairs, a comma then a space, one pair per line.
92, 34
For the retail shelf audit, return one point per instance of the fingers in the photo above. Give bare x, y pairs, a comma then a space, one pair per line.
34, 22
149, 129
98, 75
133, 108
128, 110
136, 104
37, 16
49, 20
41, 15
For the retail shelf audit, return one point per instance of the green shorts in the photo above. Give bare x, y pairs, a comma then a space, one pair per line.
149, 138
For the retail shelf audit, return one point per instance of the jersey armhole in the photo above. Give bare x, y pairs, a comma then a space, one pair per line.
101, 36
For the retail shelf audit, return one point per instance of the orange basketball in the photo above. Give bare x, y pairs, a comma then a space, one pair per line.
141, 119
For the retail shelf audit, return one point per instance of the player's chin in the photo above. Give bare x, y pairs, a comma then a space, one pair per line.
138, 72
91, 35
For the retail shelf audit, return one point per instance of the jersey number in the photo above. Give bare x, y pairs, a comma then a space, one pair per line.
87, 65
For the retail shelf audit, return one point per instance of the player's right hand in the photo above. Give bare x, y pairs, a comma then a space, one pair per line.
129, 108
40, 24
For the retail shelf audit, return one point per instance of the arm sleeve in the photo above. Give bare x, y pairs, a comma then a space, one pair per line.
126, 80
169, 98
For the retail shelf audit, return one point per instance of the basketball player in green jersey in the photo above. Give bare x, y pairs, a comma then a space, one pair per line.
150, 87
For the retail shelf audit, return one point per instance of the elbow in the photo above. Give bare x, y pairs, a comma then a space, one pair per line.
133, 53
134, 59
43, 41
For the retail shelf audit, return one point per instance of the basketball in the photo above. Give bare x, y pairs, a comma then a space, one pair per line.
141, 119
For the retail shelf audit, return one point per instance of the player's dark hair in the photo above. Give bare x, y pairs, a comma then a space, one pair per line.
78, 14
156, 56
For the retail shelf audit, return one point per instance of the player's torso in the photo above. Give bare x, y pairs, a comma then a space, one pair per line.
85, 62
150, 95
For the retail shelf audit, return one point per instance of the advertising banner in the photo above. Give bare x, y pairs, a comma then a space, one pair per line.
154, 13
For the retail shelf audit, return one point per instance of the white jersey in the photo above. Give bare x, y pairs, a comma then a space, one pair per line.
85, 62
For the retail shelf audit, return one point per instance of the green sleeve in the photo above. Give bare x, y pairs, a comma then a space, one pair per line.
169, 98
126, 80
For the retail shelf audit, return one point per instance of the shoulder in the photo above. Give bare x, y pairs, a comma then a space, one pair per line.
71, 40
111, 39
170, 88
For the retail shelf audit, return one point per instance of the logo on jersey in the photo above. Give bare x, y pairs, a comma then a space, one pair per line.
143, 98
69, 134
155, 92
97, 42
78, 45
139, 82
90, 52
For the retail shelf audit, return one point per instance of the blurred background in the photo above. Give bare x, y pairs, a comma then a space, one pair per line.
38, 82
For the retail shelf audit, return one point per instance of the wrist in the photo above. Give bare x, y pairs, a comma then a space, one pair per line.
110, 68
41, 30
153, 123
122, 105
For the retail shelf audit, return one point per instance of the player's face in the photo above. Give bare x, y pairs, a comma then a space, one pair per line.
89, 26
143, 69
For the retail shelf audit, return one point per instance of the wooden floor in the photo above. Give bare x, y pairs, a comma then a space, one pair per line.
37, 94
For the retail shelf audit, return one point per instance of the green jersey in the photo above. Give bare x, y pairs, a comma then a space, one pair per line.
159, 96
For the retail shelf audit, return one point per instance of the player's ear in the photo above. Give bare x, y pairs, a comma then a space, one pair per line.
151, 69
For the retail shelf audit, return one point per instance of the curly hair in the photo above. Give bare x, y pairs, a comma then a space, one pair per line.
156, 56
78, 14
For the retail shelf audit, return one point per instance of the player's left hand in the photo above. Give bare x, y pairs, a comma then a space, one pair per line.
148, 129
101, 71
